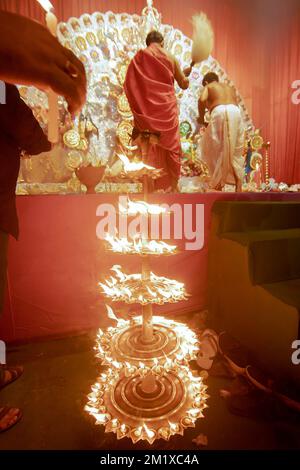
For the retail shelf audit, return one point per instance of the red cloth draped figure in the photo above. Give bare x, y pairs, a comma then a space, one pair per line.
149, 87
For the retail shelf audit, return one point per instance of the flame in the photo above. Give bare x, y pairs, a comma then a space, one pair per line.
101, 418
110, 313
133, 166
149, 432
46, 5
174, 426
139, 246
132, 288
91, 409
123, 428
141, 207
188, 346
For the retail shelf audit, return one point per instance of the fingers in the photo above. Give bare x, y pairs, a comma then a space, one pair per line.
73, 69
63, 72
76, 63
62, 84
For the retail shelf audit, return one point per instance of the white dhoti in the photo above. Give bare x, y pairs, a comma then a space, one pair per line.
221, 146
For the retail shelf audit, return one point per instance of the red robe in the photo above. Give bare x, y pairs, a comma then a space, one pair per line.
149, 87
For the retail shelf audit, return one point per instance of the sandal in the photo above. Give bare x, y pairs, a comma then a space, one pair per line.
13, 374
15, 417
208, 349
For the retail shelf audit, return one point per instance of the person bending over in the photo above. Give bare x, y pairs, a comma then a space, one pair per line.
222, 144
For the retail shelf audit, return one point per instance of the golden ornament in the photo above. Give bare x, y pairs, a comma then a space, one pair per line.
123, 106
257, 142
74, 159
71, 138
121, 75
100, 35
178, 49
81, 43
91, 39
256, 159
126, 34
95, 56
124, 132
187, 56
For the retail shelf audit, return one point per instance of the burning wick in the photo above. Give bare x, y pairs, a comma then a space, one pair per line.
150, 433
164, 433
174, 427
137, 432
115, 423
123, 430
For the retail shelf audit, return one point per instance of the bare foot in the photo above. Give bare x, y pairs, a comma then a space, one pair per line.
9, 417
9, 374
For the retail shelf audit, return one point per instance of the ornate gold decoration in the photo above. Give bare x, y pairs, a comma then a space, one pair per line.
126, 34
187, 57
96, 39
178, 49
100, 34
71, 138
74, 159
81, 43
91, 38
123, 106
124, 132
121, 75
257, 142
256, 158
95, 56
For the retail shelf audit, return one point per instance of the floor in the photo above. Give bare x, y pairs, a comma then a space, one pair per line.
52, 394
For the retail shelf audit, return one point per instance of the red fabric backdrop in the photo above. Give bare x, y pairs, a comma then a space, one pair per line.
257, 42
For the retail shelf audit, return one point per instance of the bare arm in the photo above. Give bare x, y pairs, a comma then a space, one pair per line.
180, 78
201, 111
202, 105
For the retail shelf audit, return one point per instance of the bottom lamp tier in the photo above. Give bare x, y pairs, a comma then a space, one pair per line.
148, 407
125, 343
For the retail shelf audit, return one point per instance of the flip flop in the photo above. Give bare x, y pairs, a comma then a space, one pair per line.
15, 372
208, 349
4, 412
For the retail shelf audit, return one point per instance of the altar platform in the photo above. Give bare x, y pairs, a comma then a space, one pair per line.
55, 267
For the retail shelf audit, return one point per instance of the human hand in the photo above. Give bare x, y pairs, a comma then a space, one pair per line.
187, 71
30, 55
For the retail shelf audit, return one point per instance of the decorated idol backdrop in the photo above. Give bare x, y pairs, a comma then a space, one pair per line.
105, 43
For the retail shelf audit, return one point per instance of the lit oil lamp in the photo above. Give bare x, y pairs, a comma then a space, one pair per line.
123, 431
187, 422
136, 434
164, 433
149, 434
